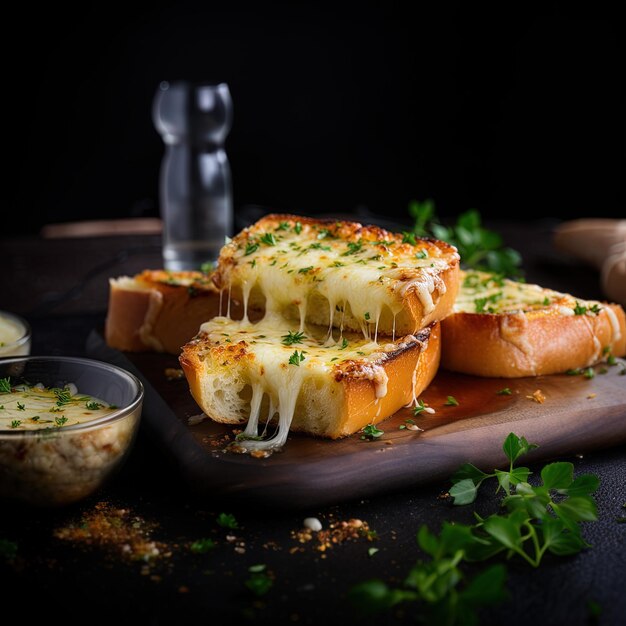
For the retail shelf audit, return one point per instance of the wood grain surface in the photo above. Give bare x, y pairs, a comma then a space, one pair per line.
578, 414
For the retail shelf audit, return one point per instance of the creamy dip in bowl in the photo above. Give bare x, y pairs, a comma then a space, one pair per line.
66, 425
15, 335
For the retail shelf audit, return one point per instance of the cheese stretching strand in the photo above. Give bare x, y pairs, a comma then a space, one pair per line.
345, 310
339, 274
251, 373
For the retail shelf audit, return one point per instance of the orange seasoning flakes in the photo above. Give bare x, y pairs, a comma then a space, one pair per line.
337, 533
115, 530
537, 396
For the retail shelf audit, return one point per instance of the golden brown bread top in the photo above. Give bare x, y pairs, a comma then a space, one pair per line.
339, 272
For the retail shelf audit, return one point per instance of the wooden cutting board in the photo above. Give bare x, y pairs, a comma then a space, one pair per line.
577, 415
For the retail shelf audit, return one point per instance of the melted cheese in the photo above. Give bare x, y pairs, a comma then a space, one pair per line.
37, 407
275, 358
290, 266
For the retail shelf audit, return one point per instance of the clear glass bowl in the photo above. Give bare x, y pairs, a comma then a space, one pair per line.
60, 465
15, 335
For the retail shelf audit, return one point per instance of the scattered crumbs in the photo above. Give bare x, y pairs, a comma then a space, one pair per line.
174, 373
117, 531
537, 396
591, 396
260, 454
337, 533
196, 419
413, 427
372, 551
443, 496
216, 441
271, 545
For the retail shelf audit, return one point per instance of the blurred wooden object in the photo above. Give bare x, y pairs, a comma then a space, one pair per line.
103, 228
600, 242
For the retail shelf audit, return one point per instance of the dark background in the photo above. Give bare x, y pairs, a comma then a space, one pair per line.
513, 112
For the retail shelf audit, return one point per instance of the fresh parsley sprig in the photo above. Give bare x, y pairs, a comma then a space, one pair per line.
479, 247
537, 519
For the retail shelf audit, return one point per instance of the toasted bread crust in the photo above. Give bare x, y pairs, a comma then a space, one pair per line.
411, 367
160, 311
409, 288
534, 343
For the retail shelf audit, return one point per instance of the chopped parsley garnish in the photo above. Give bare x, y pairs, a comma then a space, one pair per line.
579, 309
419, 407
227, 520
305, 270
296, 358
451, 401
595, 309
573, 372
290, 338
21, 407
318, 246
408, 237
207, 267
283, 226
93, 406
201, 546
59, 421
546, 301
589, 373
338, 264
259, 582
251, 247
422, 254
63, 395
297, 228
323, 233
15, 423
252, 263
367, 316
5, 385
371, 432
268, 239
344, 344
506, 391
353, 248
481, 303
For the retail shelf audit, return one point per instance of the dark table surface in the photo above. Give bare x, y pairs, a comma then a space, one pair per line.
61, 287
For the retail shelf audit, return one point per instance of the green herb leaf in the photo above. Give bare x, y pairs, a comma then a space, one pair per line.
371, 432
290, 338
251, 247
479, 247
451, 401
557, 475
506, 391
296, 358
259, 583
227, 520
5, 385
268, 239
464, 491
202, 546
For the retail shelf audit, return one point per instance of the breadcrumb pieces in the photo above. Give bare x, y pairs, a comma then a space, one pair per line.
116, 530
174, 373
537, 396
337, 533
